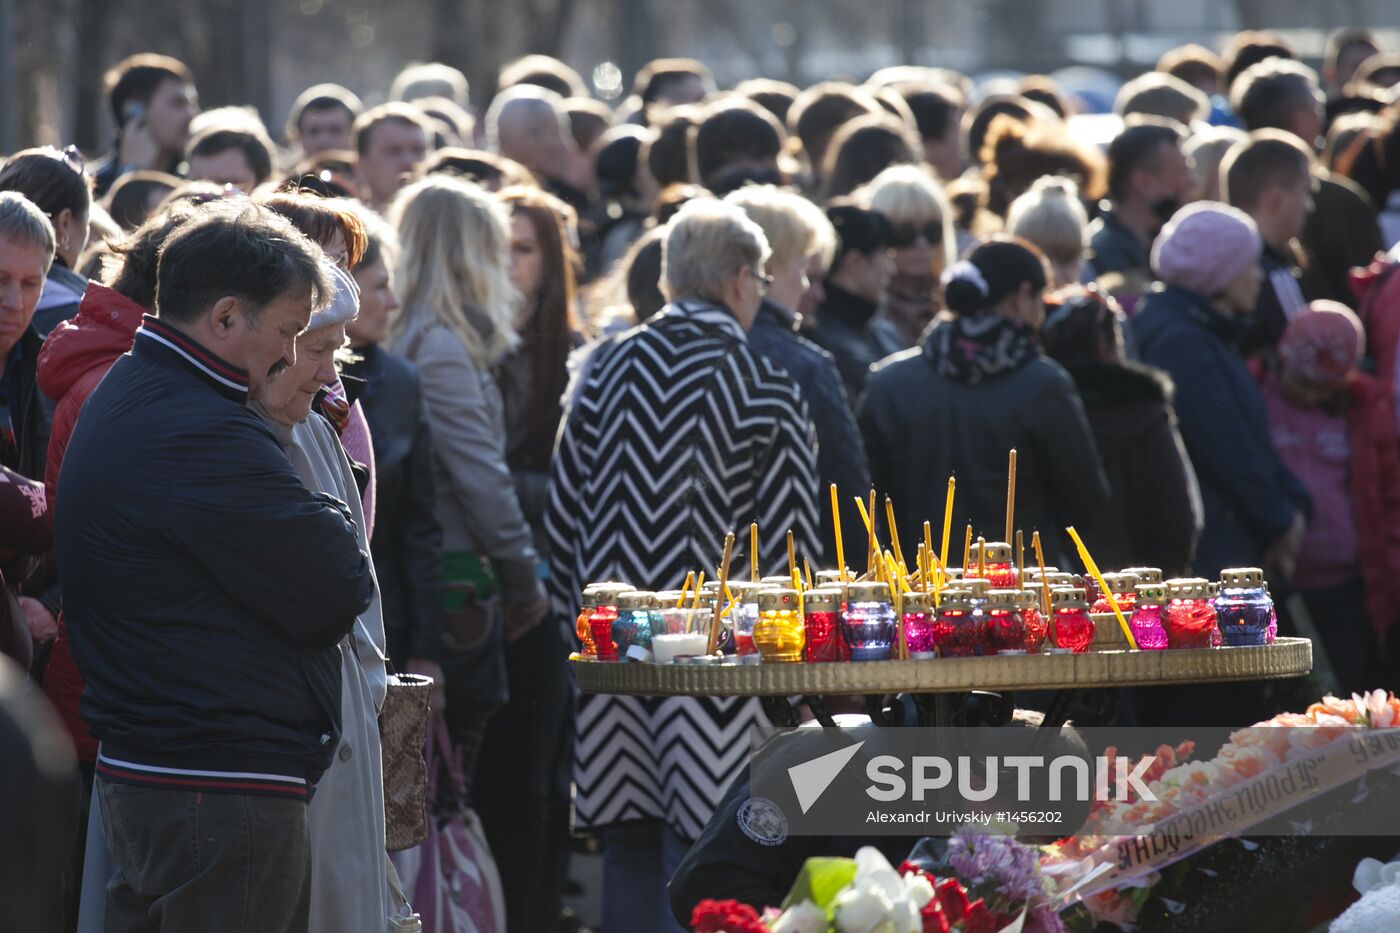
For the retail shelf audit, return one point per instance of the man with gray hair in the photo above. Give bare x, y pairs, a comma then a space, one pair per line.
529, 124
206, 590
695, 434
26, 252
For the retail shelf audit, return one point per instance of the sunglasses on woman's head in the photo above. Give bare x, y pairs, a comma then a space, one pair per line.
902, 235
68, 155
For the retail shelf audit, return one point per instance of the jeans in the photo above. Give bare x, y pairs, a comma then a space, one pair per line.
216, 863
639, 859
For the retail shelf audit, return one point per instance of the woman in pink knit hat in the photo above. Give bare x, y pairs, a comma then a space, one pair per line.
1207, 262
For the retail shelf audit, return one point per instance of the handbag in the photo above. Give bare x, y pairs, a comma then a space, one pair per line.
473, 634
403, 730
455, 885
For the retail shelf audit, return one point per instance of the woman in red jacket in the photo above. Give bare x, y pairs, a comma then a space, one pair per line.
1335, 429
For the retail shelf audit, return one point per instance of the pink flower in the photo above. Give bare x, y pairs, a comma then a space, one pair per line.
1345, 709
1376, 707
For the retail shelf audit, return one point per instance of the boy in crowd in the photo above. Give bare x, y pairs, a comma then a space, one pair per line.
1269, 177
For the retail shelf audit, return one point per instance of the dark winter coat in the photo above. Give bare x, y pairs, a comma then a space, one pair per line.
407, 542
206, 589
921, 427
840, 449
1155, 509
1249, 496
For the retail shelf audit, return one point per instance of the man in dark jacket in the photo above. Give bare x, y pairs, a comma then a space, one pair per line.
1268, 178
1155, 510
206, 590
1148, 179
1341, 231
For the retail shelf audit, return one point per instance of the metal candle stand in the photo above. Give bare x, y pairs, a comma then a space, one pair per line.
952, 691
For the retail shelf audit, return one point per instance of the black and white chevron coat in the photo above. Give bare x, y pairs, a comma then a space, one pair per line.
677, 434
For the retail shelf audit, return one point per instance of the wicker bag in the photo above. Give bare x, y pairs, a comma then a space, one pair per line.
403, 731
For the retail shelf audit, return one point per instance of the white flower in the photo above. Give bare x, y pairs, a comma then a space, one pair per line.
879, 900
873, 871
918, 889
804, 918
861, 910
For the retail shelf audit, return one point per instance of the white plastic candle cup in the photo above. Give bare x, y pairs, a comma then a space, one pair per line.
669, 647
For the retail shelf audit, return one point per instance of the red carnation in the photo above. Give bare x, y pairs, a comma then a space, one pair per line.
980, 919
953, 899
711, 916
934, 919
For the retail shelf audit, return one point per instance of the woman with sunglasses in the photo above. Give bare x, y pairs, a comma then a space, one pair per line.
53, 179
922, 244
979, 387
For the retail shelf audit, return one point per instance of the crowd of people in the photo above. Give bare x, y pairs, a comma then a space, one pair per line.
277, 419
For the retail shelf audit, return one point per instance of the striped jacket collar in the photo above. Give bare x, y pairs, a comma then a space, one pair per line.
159, 337
704, 312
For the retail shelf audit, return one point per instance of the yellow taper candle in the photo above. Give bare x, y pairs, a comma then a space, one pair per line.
1044, 583
1010, 494
836, 525
723, 589
753, 552
947, 522
894, 529
1093, 569
689, 578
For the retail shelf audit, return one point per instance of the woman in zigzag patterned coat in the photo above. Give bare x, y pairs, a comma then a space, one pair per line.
677, 433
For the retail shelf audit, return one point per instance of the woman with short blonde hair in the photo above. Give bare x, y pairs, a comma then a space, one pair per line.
799, 232
453, 277
922, 242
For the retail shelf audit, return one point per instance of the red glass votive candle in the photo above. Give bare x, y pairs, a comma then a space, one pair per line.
1123, 586
1003, 626
822, 618
1189, 617
1033, 619
957, 626
1071, 626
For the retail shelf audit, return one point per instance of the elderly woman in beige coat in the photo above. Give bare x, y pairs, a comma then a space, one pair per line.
352, 881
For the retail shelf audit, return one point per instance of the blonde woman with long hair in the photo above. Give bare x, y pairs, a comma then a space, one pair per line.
453, 277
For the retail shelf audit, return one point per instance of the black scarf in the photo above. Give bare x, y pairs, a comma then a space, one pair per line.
970, 348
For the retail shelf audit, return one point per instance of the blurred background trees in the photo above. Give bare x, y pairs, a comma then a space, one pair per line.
263, 52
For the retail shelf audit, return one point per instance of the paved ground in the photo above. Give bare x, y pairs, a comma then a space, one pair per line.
587, 870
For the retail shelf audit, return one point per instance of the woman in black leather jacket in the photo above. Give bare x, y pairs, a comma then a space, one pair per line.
407, 541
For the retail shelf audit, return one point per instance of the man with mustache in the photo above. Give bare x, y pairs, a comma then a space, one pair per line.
207, 590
